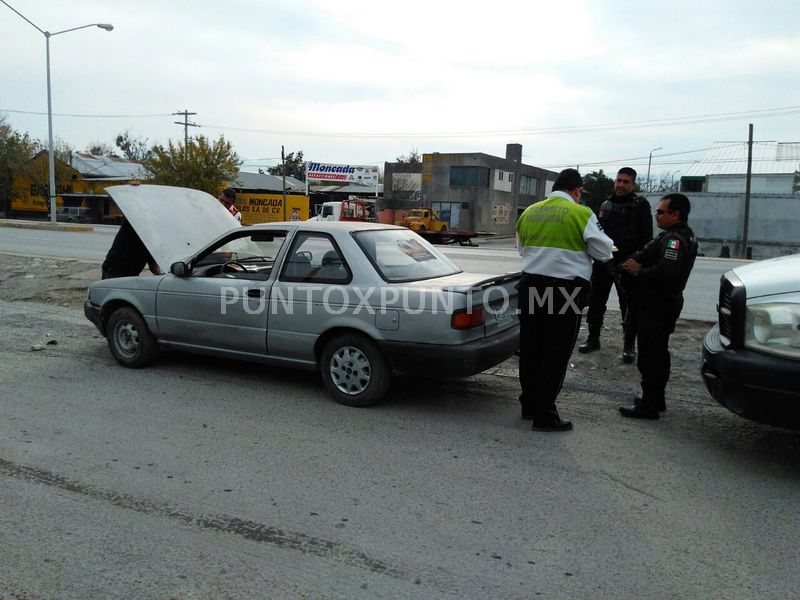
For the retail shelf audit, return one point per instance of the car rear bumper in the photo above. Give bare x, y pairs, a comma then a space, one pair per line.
92, 313
437, 360
753, 385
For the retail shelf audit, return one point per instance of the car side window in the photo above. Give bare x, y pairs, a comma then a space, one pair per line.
315, 257
248, 256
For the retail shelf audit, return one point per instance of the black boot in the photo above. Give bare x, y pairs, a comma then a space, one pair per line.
591, 344
629, 351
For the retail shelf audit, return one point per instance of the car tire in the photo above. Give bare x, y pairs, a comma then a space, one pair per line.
355, 370
443, 229
421, 228
129, 339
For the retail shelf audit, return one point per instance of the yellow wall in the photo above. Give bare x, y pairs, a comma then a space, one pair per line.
31, 188
267, 208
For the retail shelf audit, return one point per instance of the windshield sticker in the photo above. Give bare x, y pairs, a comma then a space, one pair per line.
415, 250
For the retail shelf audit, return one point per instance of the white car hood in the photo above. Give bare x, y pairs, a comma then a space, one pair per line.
172, 222
775, 276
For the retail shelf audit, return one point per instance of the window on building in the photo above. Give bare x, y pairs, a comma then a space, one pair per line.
500, 175
528, 185
475, 176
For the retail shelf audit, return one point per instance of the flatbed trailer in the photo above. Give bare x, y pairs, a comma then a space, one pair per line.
464, 238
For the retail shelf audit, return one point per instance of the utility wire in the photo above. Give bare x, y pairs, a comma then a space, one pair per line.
30, 112
665, 122
691, 120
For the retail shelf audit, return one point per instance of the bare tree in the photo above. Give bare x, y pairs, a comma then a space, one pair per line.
100, 149
413, 157
132, 147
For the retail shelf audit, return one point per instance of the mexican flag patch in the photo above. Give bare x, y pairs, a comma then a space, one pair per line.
673, 244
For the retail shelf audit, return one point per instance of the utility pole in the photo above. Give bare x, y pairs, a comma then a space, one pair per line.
186, 126
747, 193
283, 170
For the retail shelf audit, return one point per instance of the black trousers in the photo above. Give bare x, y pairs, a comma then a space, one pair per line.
548, 331
656, 322
602, 280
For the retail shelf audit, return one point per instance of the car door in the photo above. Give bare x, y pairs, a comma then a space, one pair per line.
311, 292
223, 302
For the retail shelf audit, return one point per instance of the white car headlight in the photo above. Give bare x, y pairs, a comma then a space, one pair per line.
773, 328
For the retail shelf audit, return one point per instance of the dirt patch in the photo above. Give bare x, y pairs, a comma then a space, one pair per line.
48, 280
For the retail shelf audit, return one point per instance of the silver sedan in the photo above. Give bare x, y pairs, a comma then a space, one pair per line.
358, 302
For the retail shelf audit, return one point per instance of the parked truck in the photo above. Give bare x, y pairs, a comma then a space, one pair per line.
345, 210
422, 219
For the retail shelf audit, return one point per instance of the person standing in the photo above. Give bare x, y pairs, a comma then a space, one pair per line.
661, 270
228, 199
626, 218
557, 239
127, 255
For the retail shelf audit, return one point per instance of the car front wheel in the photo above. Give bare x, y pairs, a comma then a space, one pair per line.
354, 370
130, 341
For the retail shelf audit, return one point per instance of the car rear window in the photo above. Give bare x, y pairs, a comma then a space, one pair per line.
402, 255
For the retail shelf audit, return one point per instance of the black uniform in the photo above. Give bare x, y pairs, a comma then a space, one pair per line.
127, 255
666, 263
628, 221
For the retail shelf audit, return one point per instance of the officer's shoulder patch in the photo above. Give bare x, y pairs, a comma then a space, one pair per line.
671, 254
673, 244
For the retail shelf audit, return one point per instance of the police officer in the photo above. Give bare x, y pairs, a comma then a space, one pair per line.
661, 270
625, 217
557, 239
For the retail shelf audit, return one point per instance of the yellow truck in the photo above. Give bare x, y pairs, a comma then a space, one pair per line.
422, 219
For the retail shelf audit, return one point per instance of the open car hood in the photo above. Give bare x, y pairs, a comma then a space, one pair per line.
172, 222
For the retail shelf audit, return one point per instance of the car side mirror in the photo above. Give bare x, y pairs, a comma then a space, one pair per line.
180, 269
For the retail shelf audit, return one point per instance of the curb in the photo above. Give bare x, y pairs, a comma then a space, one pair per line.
22, 224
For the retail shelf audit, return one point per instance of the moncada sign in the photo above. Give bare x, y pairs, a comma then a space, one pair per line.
367, 175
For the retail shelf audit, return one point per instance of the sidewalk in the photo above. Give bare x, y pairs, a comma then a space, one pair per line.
28, 224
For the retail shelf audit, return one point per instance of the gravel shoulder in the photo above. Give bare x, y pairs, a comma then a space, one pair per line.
63, 283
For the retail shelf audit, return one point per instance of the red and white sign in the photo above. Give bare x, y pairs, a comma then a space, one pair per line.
367, 175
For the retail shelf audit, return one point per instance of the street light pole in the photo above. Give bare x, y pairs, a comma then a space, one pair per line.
649, 161
50, 159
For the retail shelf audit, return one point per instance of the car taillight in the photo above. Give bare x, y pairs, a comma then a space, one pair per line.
467, 318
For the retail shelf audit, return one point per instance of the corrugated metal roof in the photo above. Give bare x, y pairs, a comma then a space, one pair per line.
90, 165
730, 158
353, 188
259, 181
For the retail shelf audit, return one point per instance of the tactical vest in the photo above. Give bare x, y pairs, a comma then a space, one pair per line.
620, 222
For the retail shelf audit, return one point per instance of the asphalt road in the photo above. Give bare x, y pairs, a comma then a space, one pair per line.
499, 256
199, 478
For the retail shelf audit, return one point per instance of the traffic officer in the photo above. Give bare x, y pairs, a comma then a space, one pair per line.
661, 270
557, 239
626, 218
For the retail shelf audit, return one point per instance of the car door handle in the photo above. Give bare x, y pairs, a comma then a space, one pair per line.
255, 293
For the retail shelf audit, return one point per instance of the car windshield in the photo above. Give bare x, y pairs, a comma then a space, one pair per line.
401, 255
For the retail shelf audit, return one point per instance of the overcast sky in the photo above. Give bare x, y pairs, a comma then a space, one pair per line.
363, 82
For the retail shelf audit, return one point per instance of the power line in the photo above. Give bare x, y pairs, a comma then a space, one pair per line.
30, 112
690, 120
664, 122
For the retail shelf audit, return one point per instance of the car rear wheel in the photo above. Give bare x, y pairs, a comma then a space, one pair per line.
421, 228
444, 228
130, 341
354, 370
